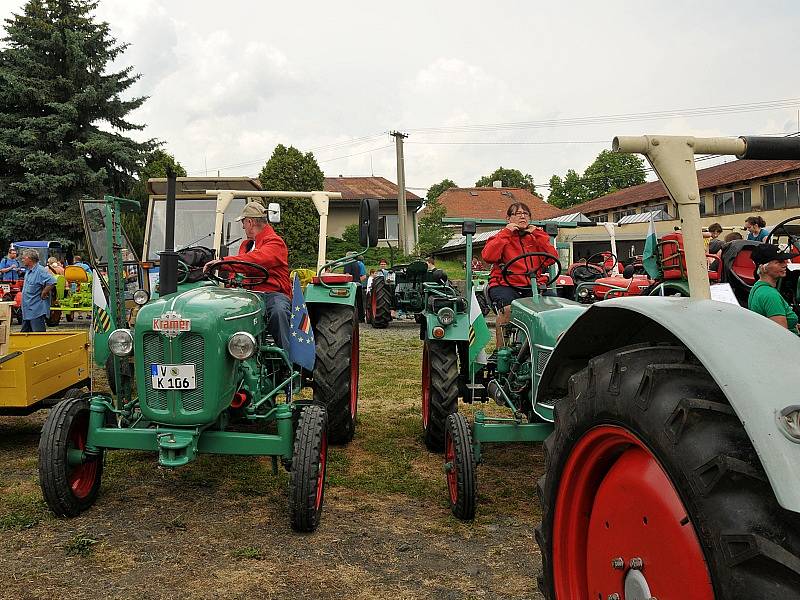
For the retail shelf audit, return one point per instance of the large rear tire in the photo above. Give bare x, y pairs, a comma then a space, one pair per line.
336, 370
67, 487
381, 303
648, 463
439, 390
309, 461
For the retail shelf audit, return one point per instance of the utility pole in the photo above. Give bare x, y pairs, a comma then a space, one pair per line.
402, 213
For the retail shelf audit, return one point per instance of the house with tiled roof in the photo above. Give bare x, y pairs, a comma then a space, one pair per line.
344, 211
491, 203
729, 193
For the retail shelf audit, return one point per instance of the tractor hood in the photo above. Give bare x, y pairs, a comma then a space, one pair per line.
201, 305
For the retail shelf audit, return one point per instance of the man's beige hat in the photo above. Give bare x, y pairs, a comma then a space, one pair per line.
253, 210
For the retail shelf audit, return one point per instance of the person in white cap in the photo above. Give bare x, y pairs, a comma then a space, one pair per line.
264, 247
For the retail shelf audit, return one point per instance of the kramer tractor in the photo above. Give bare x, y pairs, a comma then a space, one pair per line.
671, 465
193, 367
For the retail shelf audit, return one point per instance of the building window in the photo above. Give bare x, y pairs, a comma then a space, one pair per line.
702, 206
623, 213
783, 194
387, 227
728, 203
599, 218
658, 207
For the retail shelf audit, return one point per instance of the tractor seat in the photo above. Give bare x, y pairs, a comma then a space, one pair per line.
332, 278
488, 299
75, 274
743, 266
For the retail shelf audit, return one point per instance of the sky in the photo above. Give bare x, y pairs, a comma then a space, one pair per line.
537, 86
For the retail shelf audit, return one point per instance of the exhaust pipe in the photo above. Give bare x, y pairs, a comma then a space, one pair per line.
168, 268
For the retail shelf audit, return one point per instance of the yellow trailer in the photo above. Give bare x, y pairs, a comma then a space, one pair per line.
37, 367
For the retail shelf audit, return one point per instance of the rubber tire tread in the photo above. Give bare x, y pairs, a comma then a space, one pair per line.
466, 470
382, 293
331, 378
443, 386
53, 460
667, 399
303, 514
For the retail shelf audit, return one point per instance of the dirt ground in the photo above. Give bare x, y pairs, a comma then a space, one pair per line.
218, 528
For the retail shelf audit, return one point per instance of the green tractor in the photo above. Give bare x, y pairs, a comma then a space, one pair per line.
671, 466
401, 289
194, 369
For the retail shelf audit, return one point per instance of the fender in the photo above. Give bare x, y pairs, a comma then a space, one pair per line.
753, 361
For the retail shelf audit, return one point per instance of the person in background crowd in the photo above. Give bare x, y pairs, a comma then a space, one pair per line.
733, 235
54, 265
714, 243
9, 266
764, 297
39, 281
435, 274
78, 262
517, 238
383, 267
755, 225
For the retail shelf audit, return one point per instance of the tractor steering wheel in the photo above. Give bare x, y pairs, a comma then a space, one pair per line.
794, 241
234, 278
505, 272
605, 255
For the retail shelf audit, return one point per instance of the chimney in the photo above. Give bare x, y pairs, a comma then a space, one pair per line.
497, 183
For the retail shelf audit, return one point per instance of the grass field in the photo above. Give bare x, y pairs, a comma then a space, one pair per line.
218, 527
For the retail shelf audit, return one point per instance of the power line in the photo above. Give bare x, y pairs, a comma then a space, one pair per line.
355, 154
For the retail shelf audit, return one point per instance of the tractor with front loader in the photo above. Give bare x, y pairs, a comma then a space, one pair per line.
671, 460
193, 367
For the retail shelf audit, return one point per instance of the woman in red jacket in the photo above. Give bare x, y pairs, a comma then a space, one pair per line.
518, 237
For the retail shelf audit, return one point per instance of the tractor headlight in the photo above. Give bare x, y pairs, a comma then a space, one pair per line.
583, 293
120, 342
446, 316
141, 297
241, 345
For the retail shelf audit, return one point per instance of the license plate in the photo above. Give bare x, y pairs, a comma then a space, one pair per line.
172, 377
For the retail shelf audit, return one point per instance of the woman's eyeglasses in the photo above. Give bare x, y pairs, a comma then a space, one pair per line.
521, 214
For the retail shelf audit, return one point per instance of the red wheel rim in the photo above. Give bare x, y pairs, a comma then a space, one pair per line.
616, 501
323, 459
81, 477
355, 357
452, 474
426, 391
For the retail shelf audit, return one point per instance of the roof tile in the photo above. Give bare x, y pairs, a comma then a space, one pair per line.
492, 202
358, 188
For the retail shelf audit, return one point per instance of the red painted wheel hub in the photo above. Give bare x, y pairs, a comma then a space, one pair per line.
452, 474
355, 358
323, 459
616, 501
81, 477
426, 390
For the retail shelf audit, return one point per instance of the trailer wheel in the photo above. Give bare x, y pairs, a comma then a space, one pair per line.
380, 303
439, 390
70, 316
460, 467
69, 482
653, 489
336, 370
309, 460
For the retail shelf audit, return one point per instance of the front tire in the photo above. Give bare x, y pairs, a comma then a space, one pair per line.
69, 488
336, 370
649, 461
381, 303
309, 461
460, 468
439, 390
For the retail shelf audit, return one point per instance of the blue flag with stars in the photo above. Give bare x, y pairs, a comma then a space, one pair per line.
302, 350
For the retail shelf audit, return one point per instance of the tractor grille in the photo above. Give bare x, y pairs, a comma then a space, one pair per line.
542, 356
192, 352
153, 353
192, 347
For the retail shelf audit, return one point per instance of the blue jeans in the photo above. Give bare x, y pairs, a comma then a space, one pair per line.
277, 309
36, 325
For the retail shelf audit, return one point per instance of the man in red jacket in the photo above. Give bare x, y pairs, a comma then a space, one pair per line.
264, 247
518, 237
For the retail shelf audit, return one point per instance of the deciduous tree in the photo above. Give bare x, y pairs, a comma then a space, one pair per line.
510, 178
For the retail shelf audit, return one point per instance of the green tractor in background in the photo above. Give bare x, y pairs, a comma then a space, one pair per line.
400, 290
193, 367
671, 460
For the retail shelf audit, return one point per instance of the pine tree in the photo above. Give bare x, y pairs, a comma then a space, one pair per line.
62, 119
